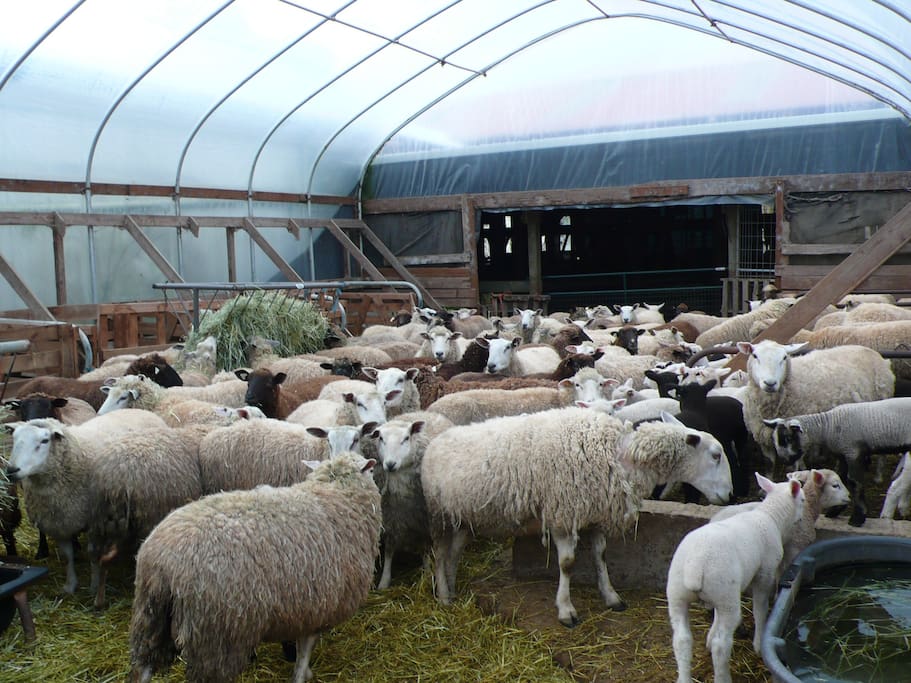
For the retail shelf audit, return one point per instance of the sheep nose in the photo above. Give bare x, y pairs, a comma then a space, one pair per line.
439, 355
491, 369
390, 466
769, 384
11, 472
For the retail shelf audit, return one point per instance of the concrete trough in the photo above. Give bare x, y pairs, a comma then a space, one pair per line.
642, 559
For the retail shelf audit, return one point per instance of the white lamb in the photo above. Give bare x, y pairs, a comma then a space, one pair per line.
441, 343
507, 476
899, 493
716, 563
397, 388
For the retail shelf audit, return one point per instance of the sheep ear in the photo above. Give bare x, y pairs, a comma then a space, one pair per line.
515, 342
312, 464
773, 423
368, 429
455, 335
670, 419
710, 384
411, 373
368, 465
639, 333
326, 366
795, 426
349, 397
279, 378
745, 348
10, 427
134, 394
318, 432
417, 426
565, 384
241, 374
572, 348
583, 404
597, 354
692, 439
483, 342
795, 488
104, 389
796, 348
610, 382
372, 372
618, 403
59, 402
818, 478
765, 484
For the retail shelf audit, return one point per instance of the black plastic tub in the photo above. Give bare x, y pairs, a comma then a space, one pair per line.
13, 578
817, 626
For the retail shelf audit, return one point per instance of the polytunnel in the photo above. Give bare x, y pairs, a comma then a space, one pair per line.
445, 129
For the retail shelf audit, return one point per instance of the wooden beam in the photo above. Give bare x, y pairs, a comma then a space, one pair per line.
59, 232
352, 249
131, 190
840, 280
151, 250
402, 271
27, 296
270, 251
782, 226
470, 242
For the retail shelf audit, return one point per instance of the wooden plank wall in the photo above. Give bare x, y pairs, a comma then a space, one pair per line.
452, 286
54, 351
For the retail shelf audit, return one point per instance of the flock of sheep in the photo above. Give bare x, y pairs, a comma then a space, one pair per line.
256, 500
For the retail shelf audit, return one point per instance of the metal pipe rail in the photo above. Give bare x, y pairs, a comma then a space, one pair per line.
337, 285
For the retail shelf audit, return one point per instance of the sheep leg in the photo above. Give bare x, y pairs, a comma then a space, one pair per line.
679, 613
459, 539
386, 577
566, 554
761, 594
99, 579
599, 548
855, 482
727, 617
305, 647
66, 547
440, 559
43, 550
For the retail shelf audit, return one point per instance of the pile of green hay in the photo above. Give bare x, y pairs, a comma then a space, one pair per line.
296, 324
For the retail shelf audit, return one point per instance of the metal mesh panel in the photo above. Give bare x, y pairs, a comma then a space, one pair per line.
756, 242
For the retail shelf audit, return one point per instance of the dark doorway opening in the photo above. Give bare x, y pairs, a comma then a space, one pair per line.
668, 254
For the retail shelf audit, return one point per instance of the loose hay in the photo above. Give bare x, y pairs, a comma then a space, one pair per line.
497, 630
296, 324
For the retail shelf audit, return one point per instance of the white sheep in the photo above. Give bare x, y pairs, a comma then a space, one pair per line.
782, 385
717, 562
397, 388
823, 489
882, 336
899, 493
400, 446
645, 410
737, 328
508, 357
353, 408
53, 462
137, 391
442, 344
852, 433
134, 481
631, 394
293, 562
477, 405
502, 477
623, 367
274, 452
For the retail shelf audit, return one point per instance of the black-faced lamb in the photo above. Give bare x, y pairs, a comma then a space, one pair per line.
852, 433
501, 477
264, 391
717, 562
294, 561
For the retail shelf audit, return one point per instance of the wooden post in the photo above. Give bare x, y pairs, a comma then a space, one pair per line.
232, 254
781, 228
535, 281
59, 231
470, 241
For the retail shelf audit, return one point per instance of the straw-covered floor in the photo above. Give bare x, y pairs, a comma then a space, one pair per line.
497, 630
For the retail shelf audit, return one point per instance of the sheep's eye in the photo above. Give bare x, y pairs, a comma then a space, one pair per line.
45, 440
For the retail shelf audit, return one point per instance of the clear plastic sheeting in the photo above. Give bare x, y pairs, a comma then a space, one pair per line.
302, 96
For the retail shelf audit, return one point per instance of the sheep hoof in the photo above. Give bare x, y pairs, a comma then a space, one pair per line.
572, 622
857, 519
619, 607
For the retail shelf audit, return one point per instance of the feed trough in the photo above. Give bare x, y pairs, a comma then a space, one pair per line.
843, 614
14, 580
